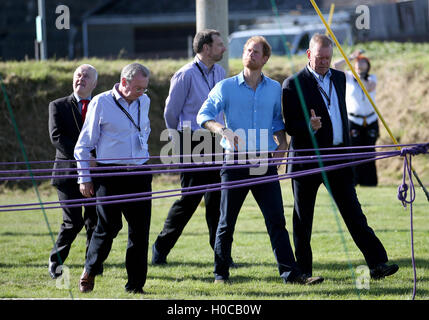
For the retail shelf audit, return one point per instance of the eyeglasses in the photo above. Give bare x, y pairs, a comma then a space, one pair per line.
142, 90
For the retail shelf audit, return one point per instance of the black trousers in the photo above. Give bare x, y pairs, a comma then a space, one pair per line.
183, 209
137, 215
344, 193
269, 199
73, 222
366, 173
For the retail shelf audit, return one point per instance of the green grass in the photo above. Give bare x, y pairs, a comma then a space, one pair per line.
25, 244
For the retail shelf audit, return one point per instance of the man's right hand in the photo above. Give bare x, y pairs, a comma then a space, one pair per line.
232, 139
315, 122
87, 189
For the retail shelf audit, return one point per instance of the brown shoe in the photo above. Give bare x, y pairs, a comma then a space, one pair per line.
305, 280
86, 282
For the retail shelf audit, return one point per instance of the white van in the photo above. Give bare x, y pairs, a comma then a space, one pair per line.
296, 38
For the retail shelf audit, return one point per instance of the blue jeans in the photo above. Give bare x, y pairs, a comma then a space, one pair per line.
269, 199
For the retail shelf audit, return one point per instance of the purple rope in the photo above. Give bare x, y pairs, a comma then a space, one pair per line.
195, 166
289, 160
210, 154
204, 188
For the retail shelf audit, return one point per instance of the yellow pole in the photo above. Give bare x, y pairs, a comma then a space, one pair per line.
331, 14
328, 28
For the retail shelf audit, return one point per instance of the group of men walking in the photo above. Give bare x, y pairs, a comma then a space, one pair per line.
115, 134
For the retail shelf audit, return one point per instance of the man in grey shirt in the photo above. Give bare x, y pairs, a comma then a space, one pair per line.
189, 88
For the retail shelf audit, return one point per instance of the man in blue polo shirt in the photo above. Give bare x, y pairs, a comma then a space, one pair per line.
251, 103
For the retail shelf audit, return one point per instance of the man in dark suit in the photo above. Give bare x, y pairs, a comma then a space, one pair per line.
66, 117
323, 112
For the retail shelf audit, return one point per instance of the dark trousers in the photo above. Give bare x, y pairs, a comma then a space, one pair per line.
344, 194
73, 222
269, 199
366, 173
137, 215
183, 209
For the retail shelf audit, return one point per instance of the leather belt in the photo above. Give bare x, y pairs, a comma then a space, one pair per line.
363, 117
121, 165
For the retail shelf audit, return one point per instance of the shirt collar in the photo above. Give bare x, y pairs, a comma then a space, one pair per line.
116, 93
203, 66
318, 76
241, 80
79, 98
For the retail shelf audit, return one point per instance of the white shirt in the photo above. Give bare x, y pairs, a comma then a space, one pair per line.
333, 108
111, 132
357, 102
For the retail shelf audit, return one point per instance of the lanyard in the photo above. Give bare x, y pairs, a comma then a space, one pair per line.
127, 114
204, 76
328, 98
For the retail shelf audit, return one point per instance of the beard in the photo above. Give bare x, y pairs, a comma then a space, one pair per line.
216, 57
249, 64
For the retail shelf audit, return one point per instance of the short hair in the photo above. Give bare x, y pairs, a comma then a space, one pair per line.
319, 38
266, 48
204, 37
129, 71
89, 67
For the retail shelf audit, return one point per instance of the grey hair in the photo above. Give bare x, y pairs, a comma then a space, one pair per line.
129, 71
89, 67
321, 39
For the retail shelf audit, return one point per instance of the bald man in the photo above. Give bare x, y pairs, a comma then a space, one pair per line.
66, 117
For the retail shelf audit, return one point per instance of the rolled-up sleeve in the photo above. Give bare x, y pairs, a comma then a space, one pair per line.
213, 105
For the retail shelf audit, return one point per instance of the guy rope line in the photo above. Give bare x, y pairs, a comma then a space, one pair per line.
192, 190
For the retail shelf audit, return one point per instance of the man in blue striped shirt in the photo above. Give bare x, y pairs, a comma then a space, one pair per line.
251, 103
189, 87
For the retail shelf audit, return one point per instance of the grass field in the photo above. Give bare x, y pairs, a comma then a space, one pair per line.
25, 243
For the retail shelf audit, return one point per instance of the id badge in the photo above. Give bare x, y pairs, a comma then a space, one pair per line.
143, 142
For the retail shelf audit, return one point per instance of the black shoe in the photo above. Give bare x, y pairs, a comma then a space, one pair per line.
383, 270
55, 269
306, 280
157, 258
